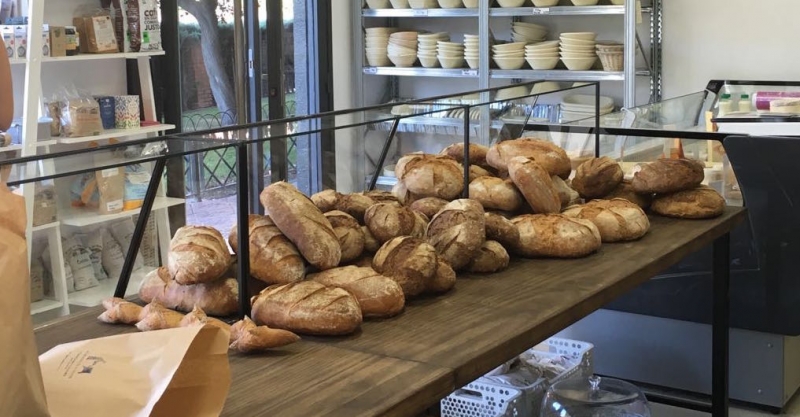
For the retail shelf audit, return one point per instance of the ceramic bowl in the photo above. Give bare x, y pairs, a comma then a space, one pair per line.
429, 62
545, 3
451, 4
542, 50
399, 4
581, 36
577, 42
510, 3
543, 45
584, 2
579, 64
423, 4
543, 63
450, 54
451, 62
403, 61
378, 60
577, 49
578, 54
379, 4
470, 4
510, 63
473, 62
515, 46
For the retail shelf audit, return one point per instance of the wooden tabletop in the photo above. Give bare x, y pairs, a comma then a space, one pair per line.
401, 366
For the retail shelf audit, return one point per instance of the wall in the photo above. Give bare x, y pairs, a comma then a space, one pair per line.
734, 39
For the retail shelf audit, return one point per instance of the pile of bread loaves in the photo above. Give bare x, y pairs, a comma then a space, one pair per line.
334, 259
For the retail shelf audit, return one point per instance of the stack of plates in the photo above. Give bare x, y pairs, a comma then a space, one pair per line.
450, 54
427, 48
612, 55
581, 106
402, 49
528, 32
543, 55
471, 50
578, 50
509, 56
377, 42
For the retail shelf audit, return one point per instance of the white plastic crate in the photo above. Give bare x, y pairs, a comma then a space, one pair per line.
481, 399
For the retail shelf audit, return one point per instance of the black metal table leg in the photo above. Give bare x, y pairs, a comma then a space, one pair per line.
141, 224
243, 229
720, 327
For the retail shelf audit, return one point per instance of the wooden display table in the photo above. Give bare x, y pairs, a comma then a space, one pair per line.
401, 366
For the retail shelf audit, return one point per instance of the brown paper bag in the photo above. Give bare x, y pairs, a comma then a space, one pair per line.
22, 393
166, 373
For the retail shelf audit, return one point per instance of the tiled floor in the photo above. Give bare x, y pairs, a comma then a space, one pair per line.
665, 411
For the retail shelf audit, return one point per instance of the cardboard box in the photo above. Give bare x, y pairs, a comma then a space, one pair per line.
80, 26
96, 34
8, 38
45, 40
21, 41
58, 41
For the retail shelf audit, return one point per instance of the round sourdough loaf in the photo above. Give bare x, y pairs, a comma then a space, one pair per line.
428, 206
556, 236
307, 307
625, 191
326, 200
354, 204
410, 261
495, 193
597, 177
303, 223
668, 176
617, 220
273, 258
371, 244
547, 154
501, 229
491, 257
566, 194
404, 196
380, 196
443, 280
698, 203
387, 221
218, 298
535, 184
431, 175
197, 254
348, 231
458, 231
378, 296
477, 153
477, 172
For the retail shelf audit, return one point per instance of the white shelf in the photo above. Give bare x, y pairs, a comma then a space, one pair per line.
77, 217
116, 133
559, 75
94, 57
12, 148
422, 72
47, 226
17, 61
42, 306
91, 297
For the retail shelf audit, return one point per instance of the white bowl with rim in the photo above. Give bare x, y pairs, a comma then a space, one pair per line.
510, 3
429, 62
451, 4
399, 4
545, 3
423, 4
584, 2
513, 63
579, 64
451, 62
403, 61
582, 36
379, 4
514, 46
473, 63
543, 64
578, 54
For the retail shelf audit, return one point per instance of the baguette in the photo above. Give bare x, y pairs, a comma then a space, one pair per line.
458, 231
218, 298
274, 259
535, 184
378, 296
347, 229
408, 261
197, 254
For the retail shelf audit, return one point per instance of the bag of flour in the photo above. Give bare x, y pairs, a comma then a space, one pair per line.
112, 255
67, 269
94, 243
123, 233
80, 261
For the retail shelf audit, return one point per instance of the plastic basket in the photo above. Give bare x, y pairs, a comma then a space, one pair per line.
482, 399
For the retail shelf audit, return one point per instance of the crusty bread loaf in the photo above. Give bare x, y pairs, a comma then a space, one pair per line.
625, 191
477, 172
404, 196
617, 220
307, 307
431, 175
491, 257
246, 337
347, 229
371, 244
668, 176
303, 223
501, 229
698, 203
387, 221
420, 225
567, 195
552, 158
555, 236
443, 280
597, 177
354, 204
380, 196
155, 316
496, 193
273, 257
197, 254
217, 298
428, 206
378, 296
458, 231
477, 153
410, 261
326, 200
535, 184
198, 317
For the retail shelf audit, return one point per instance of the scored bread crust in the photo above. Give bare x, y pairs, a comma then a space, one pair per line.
501, 229
218, 298
378, 295
699, 203
491, 257
477, 153
458, 231
625, 191
556, 236
387, 221
274, 259
597, 177
326, 200
551, 157
197, 254
668, 176
617, 220
431, 175
535, 184
495, 193
348, 231
409, 261
354, 204
428, 206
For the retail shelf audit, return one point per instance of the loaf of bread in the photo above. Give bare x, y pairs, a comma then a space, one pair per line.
552, 158
218, 298
458, 231
597, 177
273, 258
198, 317
428, 206
535, 184
555, 236
409, 261
698, 203
157, 317
495, 193
354, 204
371, 244
326, 200
247, 337
567, 195
491, 257
120, 311
380, 196
303, 223
405, 197
477, 153
617, 220
625, 191
347, 229
668, 176
197, 254
431, 175
307, 307
500, 229
387, 221
443, 280
477, 172
378, 296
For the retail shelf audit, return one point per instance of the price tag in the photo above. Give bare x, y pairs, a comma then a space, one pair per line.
420, 12
469, 73
370, 70
540, 10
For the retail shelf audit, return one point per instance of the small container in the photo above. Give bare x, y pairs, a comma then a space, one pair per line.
73, 41
107, 111
745, 105
725, 106
594, 397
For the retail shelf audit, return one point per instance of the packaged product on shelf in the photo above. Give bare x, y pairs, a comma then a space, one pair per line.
73, 41
137, 178
44, 204
68, 277
107, 111
21, 41
83, 191
96, 33
127, 114
94, 242
123, 233
7, 32
37, 280
80, 261
80, 116
111, 187
45, 40
7, 9
52, 110
143, 27
112, 255
58, 41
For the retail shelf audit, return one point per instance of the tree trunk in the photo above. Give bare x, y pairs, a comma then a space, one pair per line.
205, 11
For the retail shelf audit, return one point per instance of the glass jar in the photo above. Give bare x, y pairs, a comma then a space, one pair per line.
594, 397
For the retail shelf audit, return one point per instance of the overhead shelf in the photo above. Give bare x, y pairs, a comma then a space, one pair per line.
420, 12
17, 61
117, 134
94, 57
11, 148
560, 75
78, 217
45, 305
557, 11
46, 226
91, 297
422, 72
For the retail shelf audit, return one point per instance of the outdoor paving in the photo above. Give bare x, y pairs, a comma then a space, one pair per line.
219, 213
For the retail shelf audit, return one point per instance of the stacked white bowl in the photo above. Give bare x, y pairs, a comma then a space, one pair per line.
402, 49
509, 56
451, 4
423, 4
528, 32
399, 4
582, 106
472, 50
377, 42
450, 54
578, 50
542, 55
427, 48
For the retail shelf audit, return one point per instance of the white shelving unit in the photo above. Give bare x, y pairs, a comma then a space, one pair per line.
77, 217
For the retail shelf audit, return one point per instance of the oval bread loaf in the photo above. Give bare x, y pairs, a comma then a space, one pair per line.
597, 177
617, 220
477, 172
552, 158
501, 229
431, 175
218, 298
347, 229
355, 204
491, 257
371, 244
556, 236
273, 258
698, 203
378, 296
303, 223
668, 176
535, 184
409, 261
428, 206
307, 307
197, 254
496, 193
379, 196
443, 280
326, 200
477, 153
625, 191
458, 231
405, 197
567, 195
387, 221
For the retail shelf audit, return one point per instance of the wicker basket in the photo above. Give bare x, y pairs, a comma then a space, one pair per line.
612, 61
